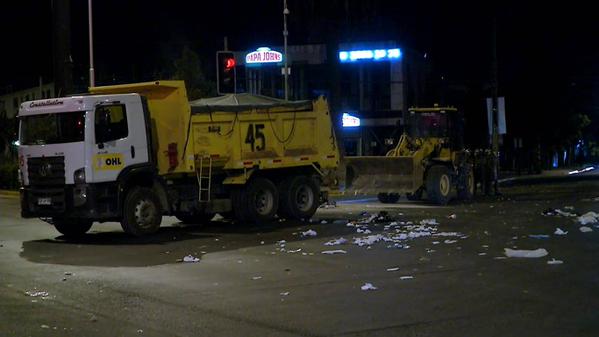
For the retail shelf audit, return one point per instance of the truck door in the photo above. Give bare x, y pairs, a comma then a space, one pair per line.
120, 137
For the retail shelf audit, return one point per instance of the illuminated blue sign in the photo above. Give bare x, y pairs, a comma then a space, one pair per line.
349, 121
370, 55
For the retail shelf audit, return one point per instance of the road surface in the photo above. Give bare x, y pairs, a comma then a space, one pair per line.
453, 281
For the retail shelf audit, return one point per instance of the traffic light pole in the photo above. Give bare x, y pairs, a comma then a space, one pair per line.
285, 33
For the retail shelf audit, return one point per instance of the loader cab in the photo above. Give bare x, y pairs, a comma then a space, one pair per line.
436, 122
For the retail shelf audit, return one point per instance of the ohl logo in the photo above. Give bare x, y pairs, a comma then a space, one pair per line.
113, 161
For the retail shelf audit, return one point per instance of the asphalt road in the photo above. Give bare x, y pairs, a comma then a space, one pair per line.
453, 281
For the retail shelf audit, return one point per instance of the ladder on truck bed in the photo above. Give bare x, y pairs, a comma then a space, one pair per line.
204, 175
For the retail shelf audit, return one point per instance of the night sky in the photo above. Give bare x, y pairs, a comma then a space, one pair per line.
548, 55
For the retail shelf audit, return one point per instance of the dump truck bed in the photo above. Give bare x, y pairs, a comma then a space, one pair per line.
243, 131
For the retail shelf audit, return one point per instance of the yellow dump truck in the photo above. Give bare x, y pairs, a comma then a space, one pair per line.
135, 152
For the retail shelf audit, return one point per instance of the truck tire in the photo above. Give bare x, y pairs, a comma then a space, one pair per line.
438, 185
257, 202
72, 228
466, 184
142, 212
388, 198
298, 198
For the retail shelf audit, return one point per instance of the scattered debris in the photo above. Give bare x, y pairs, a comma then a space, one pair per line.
363, 231
500, 258
368, 240
309, 232
447, 234
429, 222
217, 217
368, 286
256, 278
407, 277
332, 252
588, 218
554, 261
538, 236
286, 293
450, 241
37, 293
526, 253
190, 258
44, 326
556, 212
482, 254
585, 229
452, 216
559, 231
140, 331
324, 222
336, 242
393, 269
436, 242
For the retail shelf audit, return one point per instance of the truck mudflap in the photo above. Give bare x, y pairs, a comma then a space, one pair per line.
373, 175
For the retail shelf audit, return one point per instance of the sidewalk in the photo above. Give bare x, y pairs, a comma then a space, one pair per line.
549, 175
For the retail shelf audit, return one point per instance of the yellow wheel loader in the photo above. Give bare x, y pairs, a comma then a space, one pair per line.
429, 159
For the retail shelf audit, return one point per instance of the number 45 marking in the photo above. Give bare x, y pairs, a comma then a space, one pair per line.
255, 133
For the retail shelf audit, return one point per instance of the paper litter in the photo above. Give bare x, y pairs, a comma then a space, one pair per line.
585, 229
309, 232
332, 252
559, 231
588, 218
554, 261
393, 269
368, 286
525, 253
191, 258
336, 242
407, 277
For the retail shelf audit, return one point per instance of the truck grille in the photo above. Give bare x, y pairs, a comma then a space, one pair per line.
46, 171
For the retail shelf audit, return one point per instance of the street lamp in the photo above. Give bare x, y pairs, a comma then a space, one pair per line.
285, 33
92, 75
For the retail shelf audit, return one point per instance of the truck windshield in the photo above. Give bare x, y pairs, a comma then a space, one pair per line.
64, 127
429, 124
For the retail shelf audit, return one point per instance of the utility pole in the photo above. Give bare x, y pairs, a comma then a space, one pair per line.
495, 110
92, 75
285, 33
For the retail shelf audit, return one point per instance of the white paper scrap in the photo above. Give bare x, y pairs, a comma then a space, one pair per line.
368, 286
526, 253
332, 252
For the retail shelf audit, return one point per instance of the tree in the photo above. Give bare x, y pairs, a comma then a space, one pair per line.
189, 69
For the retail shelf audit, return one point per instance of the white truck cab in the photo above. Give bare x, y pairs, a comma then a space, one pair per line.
73, 152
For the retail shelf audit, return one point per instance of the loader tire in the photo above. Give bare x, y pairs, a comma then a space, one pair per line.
388, 198
257, 202
142, 212
71, 228
466, 184
438, 185
298, 198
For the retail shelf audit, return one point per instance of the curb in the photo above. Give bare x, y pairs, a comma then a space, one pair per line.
9, 193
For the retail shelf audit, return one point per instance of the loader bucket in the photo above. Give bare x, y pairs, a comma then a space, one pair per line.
373, 175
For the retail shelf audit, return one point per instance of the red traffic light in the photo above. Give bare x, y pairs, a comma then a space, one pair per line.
229, 63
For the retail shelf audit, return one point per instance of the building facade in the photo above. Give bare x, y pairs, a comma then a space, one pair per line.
364, 82
10, 102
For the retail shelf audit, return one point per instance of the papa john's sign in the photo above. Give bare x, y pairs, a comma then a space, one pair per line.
263, 55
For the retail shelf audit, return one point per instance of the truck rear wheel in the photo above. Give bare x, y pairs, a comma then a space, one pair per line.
258, 201
298, 197
388, 198
72, 228
438, 185
142, 212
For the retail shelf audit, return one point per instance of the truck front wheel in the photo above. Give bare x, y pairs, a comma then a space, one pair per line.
142, 212
299, 197
72, 228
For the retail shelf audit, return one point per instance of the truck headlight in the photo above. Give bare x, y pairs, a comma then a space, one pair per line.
79, 176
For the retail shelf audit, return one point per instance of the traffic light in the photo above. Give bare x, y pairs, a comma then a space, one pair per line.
225, 72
